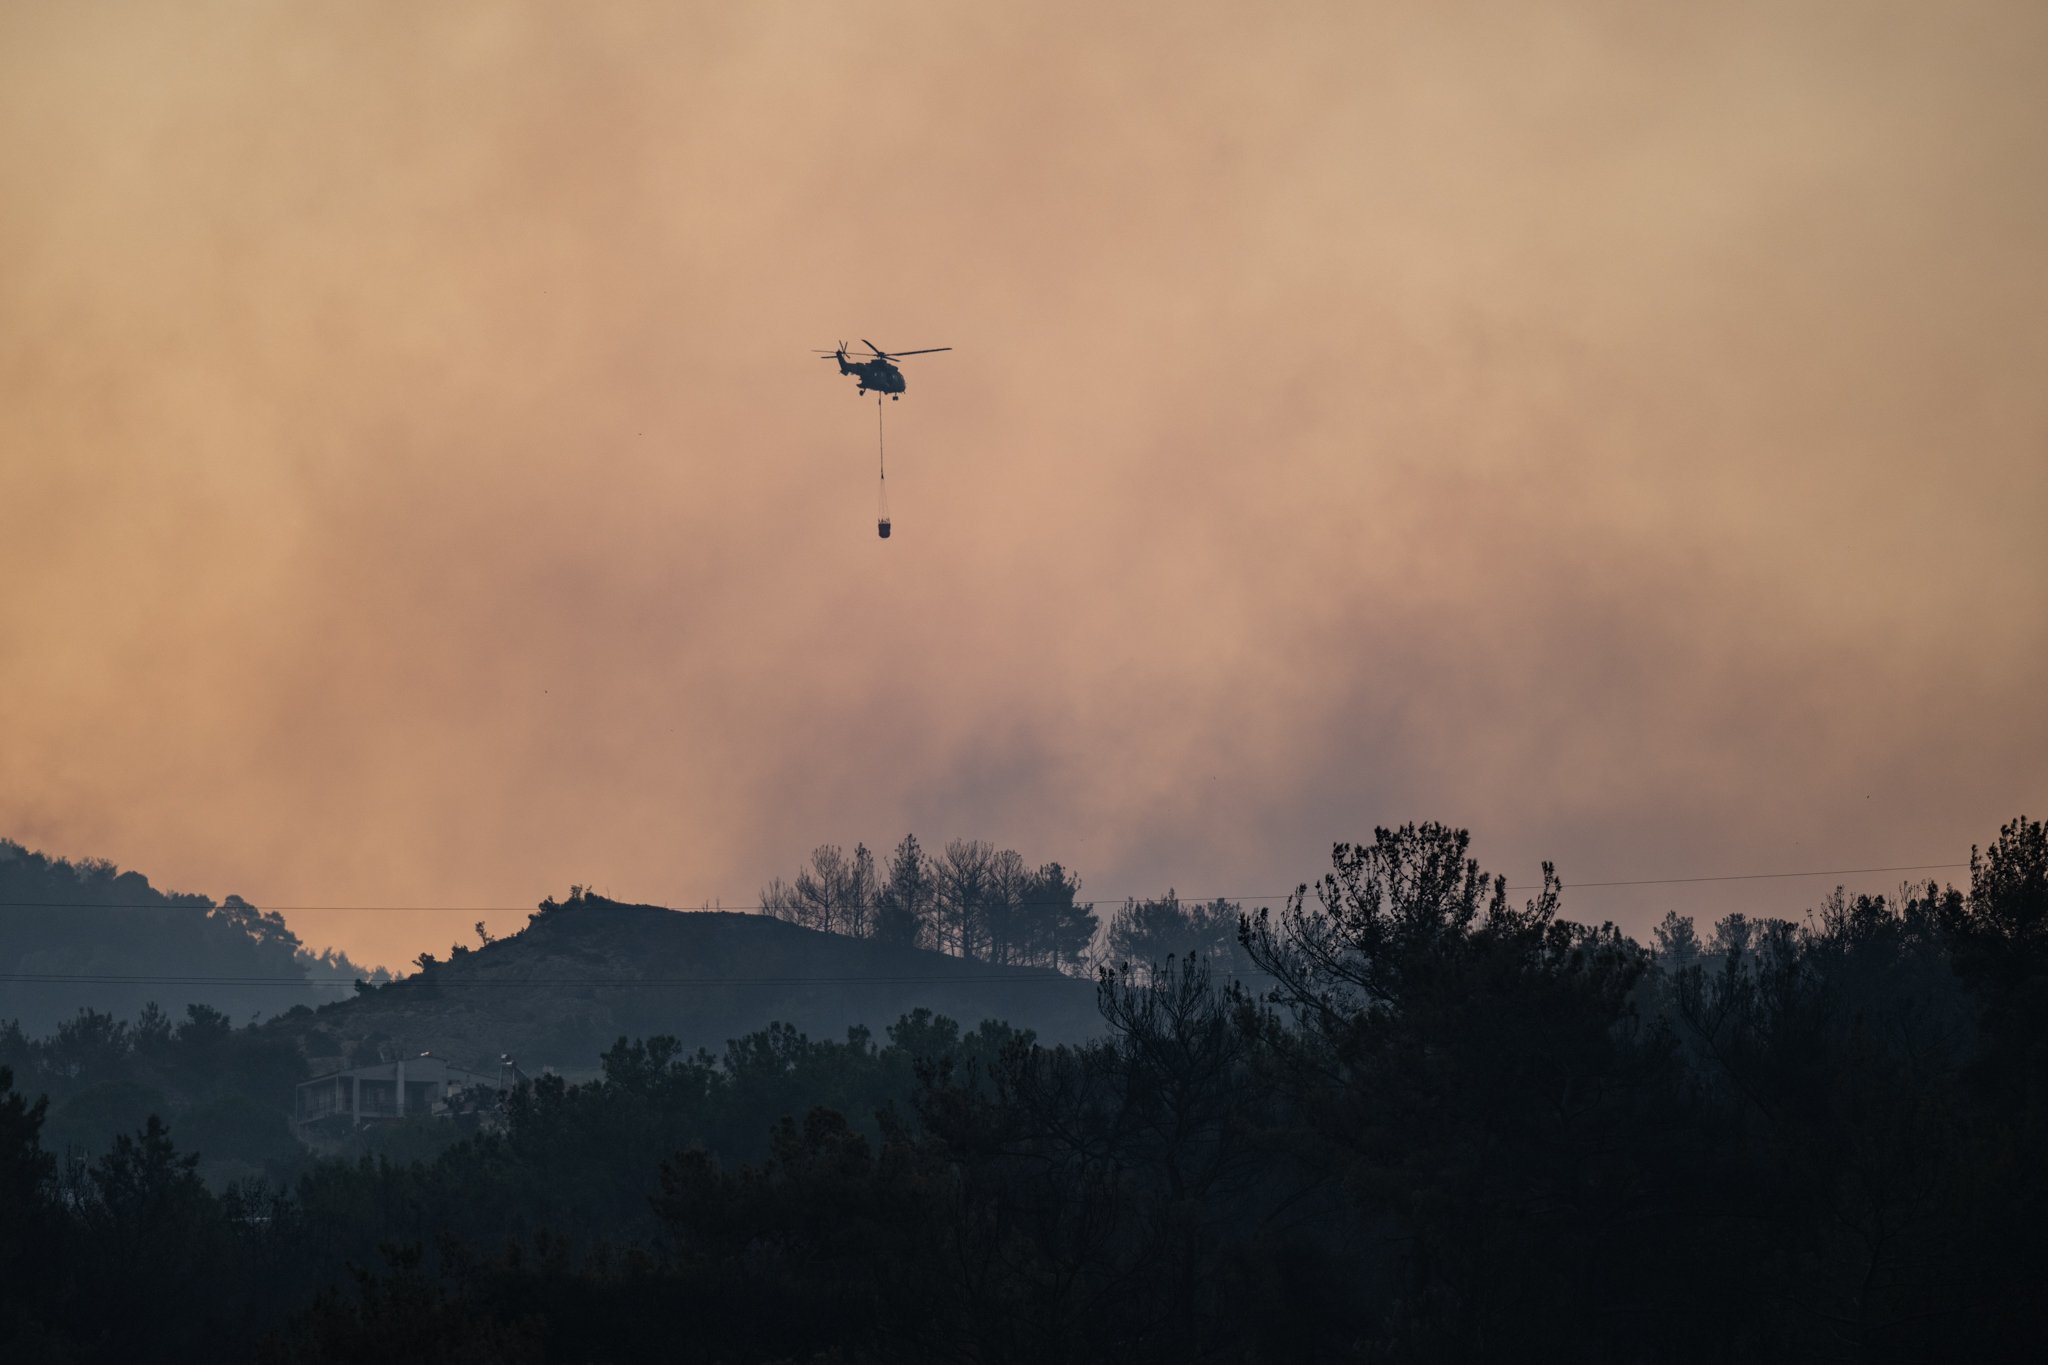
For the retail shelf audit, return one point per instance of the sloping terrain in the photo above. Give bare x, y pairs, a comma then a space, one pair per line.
87, 935
584, 974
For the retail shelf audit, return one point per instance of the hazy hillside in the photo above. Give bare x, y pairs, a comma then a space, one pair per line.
590, 971
85, 934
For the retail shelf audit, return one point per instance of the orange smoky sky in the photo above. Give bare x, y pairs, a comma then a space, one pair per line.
1619, 429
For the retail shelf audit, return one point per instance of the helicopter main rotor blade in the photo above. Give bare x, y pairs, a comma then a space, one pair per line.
929, 350
876, 349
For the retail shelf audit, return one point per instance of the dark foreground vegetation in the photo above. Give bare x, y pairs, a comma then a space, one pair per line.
1442, 1127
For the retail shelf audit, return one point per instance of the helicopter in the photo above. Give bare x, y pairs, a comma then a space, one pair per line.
880, 373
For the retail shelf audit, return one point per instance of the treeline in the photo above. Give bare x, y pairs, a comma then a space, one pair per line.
86, 933
128, 1254
1447, 1127
972, 900
976, 901
228, 1090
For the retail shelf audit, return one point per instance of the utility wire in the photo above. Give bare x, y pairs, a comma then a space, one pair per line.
1045, 976
1749, 876
757, 907
1038, 976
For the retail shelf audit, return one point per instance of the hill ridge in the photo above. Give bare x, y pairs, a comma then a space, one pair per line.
588, 971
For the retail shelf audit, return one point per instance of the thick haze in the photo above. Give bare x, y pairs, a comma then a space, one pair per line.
1618, 428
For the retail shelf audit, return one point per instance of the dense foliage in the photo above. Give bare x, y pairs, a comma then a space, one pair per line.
1443, 1126
87, 934
226, 1089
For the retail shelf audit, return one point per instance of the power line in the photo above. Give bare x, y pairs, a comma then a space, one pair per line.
110, 979
757, 907
281, 909
1043, 976
1750, 876
1038, 977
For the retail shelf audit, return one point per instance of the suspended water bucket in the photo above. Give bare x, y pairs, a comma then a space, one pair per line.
881, 478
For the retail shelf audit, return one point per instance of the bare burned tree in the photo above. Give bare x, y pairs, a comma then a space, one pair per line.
966, 878
836, 894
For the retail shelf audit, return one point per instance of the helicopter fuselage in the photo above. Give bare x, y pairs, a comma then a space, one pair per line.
878, 375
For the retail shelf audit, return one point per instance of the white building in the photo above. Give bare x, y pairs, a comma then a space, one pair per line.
392, 1090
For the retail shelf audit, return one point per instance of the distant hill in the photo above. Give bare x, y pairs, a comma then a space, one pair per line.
591, 970
85, 934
